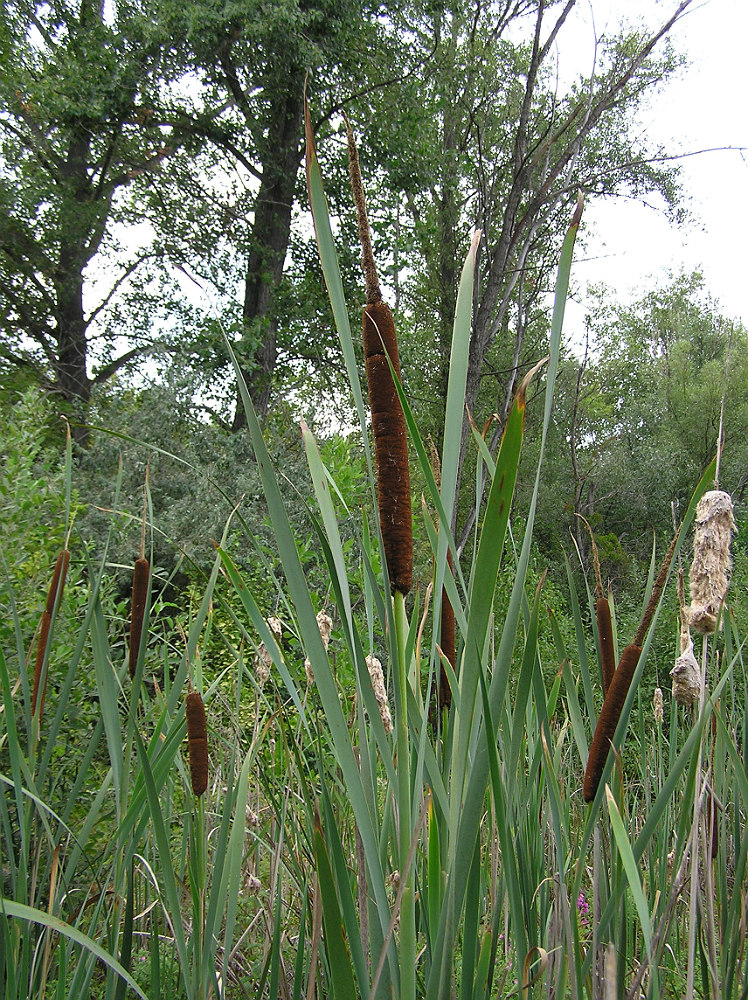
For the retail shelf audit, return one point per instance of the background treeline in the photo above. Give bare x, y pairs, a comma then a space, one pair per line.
152, 201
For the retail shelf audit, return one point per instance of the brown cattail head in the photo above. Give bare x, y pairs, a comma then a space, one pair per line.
197, 742
56, 587
140, 576
390, 444
607, 721
710, 570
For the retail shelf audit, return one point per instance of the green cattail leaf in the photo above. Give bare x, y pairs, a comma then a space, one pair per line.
341, 969
632, 875
321, 482
19, 911
169, 889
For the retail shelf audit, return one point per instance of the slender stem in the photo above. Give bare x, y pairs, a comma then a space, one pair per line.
697, 803
404, 808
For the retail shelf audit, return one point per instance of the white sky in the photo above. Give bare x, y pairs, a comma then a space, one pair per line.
704, 108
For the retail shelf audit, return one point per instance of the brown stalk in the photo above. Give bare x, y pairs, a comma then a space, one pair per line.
197, 742
387, 417
54, 594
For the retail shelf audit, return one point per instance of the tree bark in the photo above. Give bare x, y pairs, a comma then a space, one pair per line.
271, 234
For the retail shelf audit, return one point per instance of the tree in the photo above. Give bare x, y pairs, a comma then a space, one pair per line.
638, 417
87, 114
495, 145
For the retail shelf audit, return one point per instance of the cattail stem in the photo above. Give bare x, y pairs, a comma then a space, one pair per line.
197, 742
54, 594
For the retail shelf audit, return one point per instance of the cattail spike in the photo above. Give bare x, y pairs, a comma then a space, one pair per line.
373, 291
54, 594
605, 634
140, 576
608, 719
197, 742
390, 444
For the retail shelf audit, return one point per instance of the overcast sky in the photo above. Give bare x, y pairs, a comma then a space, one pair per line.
704, 108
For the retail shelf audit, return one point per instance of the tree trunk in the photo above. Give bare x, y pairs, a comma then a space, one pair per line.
271, 233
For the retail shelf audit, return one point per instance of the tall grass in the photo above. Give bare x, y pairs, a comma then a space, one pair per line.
333, 854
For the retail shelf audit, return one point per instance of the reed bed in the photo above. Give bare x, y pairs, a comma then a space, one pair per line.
300, 822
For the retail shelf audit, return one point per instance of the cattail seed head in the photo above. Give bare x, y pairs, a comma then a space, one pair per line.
380, 691
658, 706
607, 721
140, 576
390, 444
56, 587
686, 678
710, 569
197, 742
324, 623
264, 659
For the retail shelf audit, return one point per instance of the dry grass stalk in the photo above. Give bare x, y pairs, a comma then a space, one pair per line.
54, 594
387, 417
324, 623
710, 569
140, 576
197, 742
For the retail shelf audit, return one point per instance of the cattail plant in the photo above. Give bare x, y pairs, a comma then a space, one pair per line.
54, 594
387, 417
197, 742
615, 697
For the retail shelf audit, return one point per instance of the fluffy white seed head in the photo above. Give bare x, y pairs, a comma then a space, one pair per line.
710, 569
